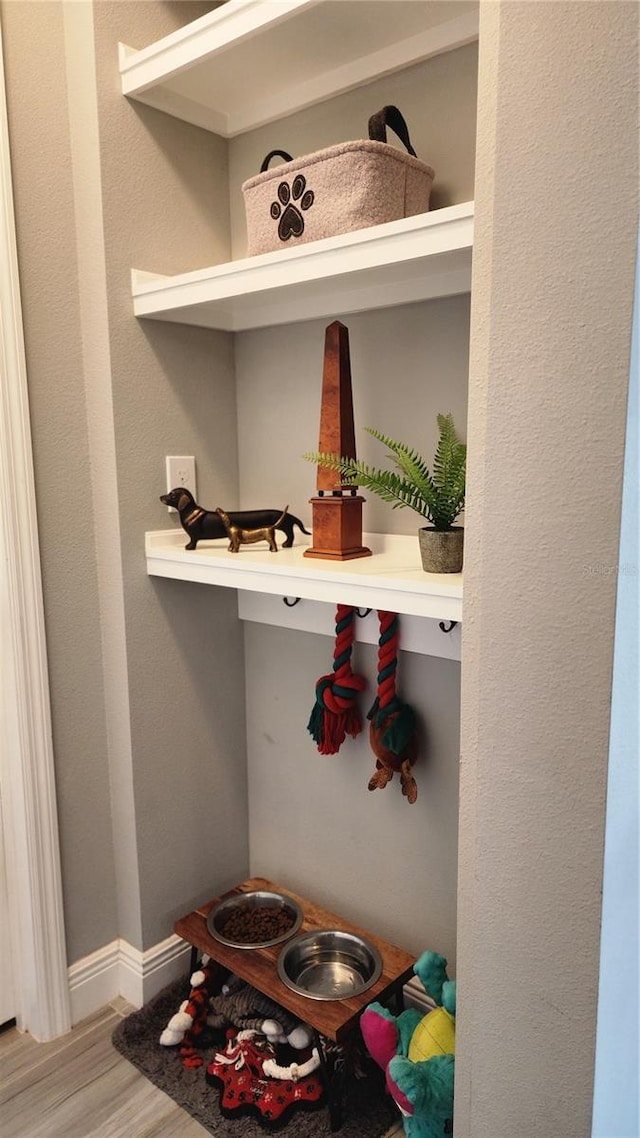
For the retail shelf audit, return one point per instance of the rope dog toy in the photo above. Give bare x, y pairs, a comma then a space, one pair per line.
392, 729
335, 712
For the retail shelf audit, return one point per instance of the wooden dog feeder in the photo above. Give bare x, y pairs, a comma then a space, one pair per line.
333, 1019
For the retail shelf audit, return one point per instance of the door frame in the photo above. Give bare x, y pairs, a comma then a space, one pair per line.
34, 881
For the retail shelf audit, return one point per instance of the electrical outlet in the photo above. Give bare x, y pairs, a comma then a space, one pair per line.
181, 471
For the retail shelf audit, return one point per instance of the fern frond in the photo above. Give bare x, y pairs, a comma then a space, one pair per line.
449, 471
410, 463
438, 497
332, 462
400, 492
450, 456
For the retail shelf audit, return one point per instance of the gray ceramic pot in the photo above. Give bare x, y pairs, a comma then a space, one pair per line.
441, 550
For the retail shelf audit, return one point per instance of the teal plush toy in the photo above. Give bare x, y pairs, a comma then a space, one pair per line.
416, 1052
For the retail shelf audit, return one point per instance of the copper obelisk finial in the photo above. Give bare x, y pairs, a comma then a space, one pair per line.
337, 509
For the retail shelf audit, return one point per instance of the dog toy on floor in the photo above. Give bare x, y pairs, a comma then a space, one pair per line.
239, 1006
189, 1022
416, 1052
251, 1081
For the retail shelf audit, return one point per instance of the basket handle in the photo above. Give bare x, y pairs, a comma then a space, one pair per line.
392, 118
274, 154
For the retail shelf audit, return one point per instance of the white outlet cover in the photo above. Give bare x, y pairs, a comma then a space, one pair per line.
181, 471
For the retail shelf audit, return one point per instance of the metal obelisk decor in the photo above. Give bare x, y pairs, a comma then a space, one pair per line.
337, 509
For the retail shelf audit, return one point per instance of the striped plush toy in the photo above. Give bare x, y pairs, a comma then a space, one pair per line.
239, 1006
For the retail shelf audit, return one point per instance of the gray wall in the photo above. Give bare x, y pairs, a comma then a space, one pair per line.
173, 393
140, 688
313, 825
150, 767
550, 340
557, 184
437, 99
407, 364
43, 193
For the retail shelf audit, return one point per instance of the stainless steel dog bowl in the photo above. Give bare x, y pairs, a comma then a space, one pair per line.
329, 965
246, 904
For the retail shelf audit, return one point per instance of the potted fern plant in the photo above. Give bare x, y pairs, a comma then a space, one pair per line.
438, 495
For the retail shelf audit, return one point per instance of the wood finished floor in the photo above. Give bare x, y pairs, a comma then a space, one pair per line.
80, 1087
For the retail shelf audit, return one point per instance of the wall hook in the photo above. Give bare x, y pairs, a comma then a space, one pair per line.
443, 625
290, 602
362, 613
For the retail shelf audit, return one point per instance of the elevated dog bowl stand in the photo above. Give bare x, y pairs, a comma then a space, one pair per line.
333, 1019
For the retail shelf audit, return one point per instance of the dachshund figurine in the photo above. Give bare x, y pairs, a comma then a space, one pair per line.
206, 525
239, 536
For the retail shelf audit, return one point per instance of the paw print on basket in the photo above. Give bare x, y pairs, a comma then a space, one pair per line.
291, 202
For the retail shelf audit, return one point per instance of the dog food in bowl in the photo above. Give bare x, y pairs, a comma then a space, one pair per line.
254, 920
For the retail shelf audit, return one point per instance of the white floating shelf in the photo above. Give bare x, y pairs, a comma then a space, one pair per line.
250, 62
415, 258
392, 578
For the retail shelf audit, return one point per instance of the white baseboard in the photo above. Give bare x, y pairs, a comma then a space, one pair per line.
93, 981
118, 969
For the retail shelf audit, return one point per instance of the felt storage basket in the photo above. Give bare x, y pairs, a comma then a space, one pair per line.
349, 186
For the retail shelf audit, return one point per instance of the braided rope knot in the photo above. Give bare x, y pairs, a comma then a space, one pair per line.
335, 712
338, 695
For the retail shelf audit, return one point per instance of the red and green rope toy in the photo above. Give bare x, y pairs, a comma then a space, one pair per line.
392, 730
335, 712
393, 718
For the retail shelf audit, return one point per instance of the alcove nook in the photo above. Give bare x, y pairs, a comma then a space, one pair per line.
403, 291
